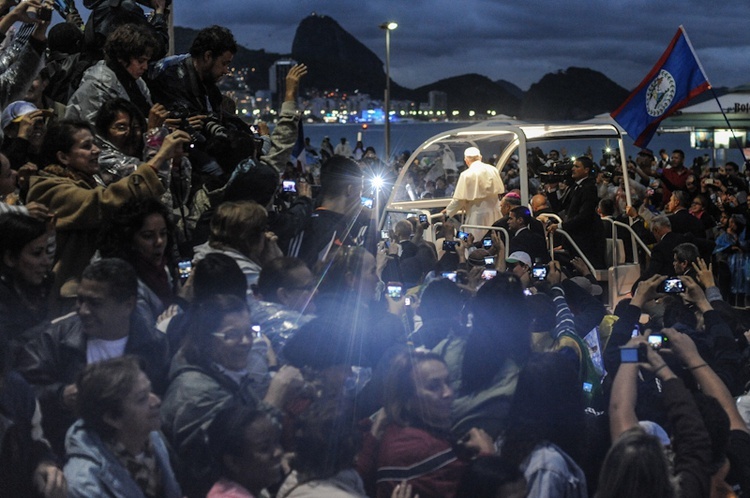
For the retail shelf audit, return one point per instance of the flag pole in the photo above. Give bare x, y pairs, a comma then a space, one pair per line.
716, 97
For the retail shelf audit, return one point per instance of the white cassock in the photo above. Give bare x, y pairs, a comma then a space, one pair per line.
476, 193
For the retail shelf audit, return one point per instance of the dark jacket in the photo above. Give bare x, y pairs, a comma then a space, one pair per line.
684, 222
531, 243
20, 453
57, 354
583, 223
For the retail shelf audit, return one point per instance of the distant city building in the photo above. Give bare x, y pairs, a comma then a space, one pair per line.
277, 77
438, 100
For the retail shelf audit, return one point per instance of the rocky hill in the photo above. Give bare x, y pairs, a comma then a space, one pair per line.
473, 92
573, 94
337, 60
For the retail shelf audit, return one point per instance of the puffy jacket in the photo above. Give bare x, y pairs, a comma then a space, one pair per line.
99, 84
195, 396
93, 470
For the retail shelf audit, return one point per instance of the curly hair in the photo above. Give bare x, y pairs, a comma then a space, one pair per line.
214, 39
130, 41
116, 238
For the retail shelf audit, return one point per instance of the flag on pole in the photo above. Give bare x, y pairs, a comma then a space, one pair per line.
675, 79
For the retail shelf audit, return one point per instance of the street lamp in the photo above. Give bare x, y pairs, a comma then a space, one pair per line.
388, 27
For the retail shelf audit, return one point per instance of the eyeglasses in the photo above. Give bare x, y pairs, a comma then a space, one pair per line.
236, 335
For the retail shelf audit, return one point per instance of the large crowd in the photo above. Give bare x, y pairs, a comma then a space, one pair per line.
184, 311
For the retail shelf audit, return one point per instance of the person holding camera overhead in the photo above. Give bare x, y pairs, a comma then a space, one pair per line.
476, 193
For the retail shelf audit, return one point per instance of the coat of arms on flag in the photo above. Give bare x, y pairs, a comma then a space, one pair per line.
675, 79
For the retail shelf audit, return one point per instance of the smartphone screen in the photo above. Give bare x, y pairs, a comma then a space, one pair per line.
394, 290
450, 275
184, 269
423, 218
289, 186
489, 274
463, 236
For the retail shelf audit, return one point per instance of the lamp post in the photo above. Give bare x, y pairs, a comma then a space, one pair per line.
388, 27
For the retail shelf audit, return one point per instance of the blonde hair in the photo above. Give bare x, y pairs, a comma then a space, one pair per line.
238, 225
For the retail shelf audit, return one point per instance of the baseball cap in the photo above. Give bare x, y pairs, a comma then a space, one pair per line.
585, 284
519, 257
472, 152
15, 111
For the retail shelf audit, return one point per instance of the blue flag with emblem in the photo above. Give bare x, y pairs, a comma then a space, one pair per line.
675, 79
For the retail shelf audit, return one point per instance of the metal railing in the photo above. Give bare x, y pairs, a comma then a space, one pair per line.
577, 249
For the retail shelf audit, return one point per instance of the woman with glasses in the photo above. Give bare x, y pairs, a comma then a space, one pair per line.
209, 373
119, 134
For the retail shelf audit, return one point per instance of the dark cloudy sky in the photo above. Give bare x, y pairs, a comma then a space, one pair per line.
518, 41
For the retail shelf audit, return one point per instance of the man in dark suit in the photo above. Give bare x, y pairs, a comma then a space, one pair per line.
662, 254
523, 239
681, 220
581, 220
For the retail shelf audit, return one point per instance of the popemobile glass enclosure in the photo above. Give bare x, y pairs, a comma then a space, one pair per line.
516, 145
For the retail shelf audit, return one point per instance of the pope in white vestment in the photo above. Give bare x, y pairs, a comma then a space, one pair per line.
476, 193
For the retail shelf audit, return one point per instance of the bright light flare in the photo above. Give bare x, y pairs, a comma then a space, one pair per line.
377, 182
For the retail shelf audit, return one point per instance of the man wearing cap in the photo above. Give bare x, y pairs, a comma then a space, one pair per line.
24, 129
476, 193
519, 263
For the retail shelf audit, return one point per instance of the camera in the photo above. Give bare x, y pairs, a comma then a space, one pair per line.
489, 274
671, 286
658, 341
367, 202
182, 113
450, 275
44, 14
289, 186
449, 245
384, 235
463, 236
633, 355
489, 261
395, 290
487, 243
184, 269
423, 218
539, 272
556, 172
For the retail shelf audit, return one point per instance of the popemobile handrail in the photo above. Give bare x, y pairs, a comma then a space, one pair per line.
634, 239
572, 243
503, 231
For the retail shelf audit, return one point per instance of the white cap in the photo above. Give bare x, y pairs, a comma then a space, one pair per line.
519, 257
472, 152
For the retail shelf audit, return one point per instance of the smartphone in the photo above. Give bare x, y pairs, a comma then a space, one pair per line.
289, 186
450, 275
632, 355
407, 301
449, 245
658, 341
395, 290
636, 331
384, 235
423, 218
527, 292
489, 261
709, 181
184, 269
539, 272
489, 274
671, 286
44, 14
487, 243
463, 236
367, 202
